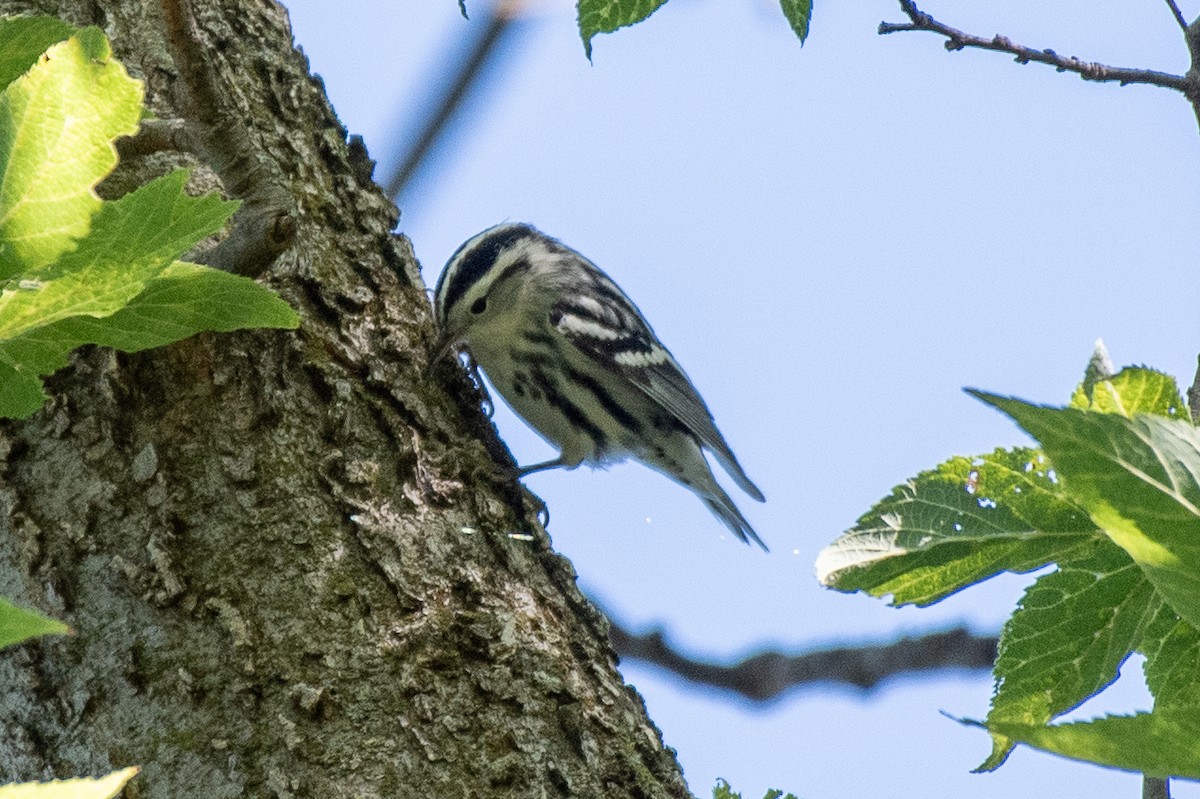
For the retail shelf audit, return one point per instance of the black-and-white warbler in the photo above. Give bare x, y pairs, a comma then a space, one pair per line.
576, 359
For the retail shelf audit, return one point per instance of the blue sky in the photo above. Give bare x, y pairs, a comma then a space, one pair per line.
833, 240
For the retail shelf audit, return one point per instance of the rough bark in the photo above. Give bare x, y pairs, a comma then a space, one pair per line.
287, 557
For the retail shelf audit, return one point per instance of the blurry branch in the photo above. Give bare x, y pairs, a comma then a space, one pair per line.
499, 19
768, 674
1188, 84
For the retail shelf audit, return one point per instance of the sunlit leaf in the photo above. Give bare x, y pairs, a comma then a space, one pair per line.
1068, 638
1159, 744
57, 126
948, 528
1138, 478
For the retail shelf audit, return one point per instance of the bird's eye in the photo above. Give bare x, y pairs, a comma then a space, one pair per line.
479, 306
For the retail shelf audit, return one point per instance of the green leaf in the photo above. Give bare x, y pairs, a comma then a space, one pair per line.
23, 40
1172, 668
1138, 478
1068, 638
132, 240
18, 624
86, 788
1158, 744
1113, 499
183, 300
949, 528
123, 288
606, 16
57, 126
20, 391
799, 14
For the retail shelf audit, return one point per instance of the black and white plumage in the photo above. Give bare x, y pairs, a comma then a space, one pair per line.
575, 358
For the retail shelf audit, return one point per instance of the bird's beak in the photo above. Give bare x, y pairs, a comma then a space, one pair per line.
445, 344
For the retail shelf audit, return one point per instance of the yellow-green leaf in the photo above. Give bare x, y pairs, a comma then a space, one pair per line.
57, 126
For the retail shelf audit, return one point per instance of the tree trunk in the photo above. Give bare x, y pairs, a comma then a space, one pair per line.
288, 557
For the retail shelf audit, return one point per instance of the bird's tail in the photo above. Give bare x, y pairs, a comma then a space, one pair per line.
686, 465
723, 508
729, 463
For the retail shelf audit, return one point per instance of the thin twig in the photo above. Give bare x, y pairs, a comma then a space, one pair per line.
1178, 15
1088, 70
765, 676
500, 20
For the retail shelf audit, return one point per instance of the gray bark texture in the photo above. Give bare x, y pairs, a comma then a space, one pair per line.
288, 556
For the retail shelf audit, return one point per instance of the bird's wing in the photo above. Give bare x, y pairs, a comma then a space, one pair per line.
621, 340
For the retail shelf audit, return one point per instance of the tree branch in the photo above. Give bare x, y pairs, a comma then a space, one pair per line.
1088, 70
1178, 15
766, 675
1155, 788
265, 225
